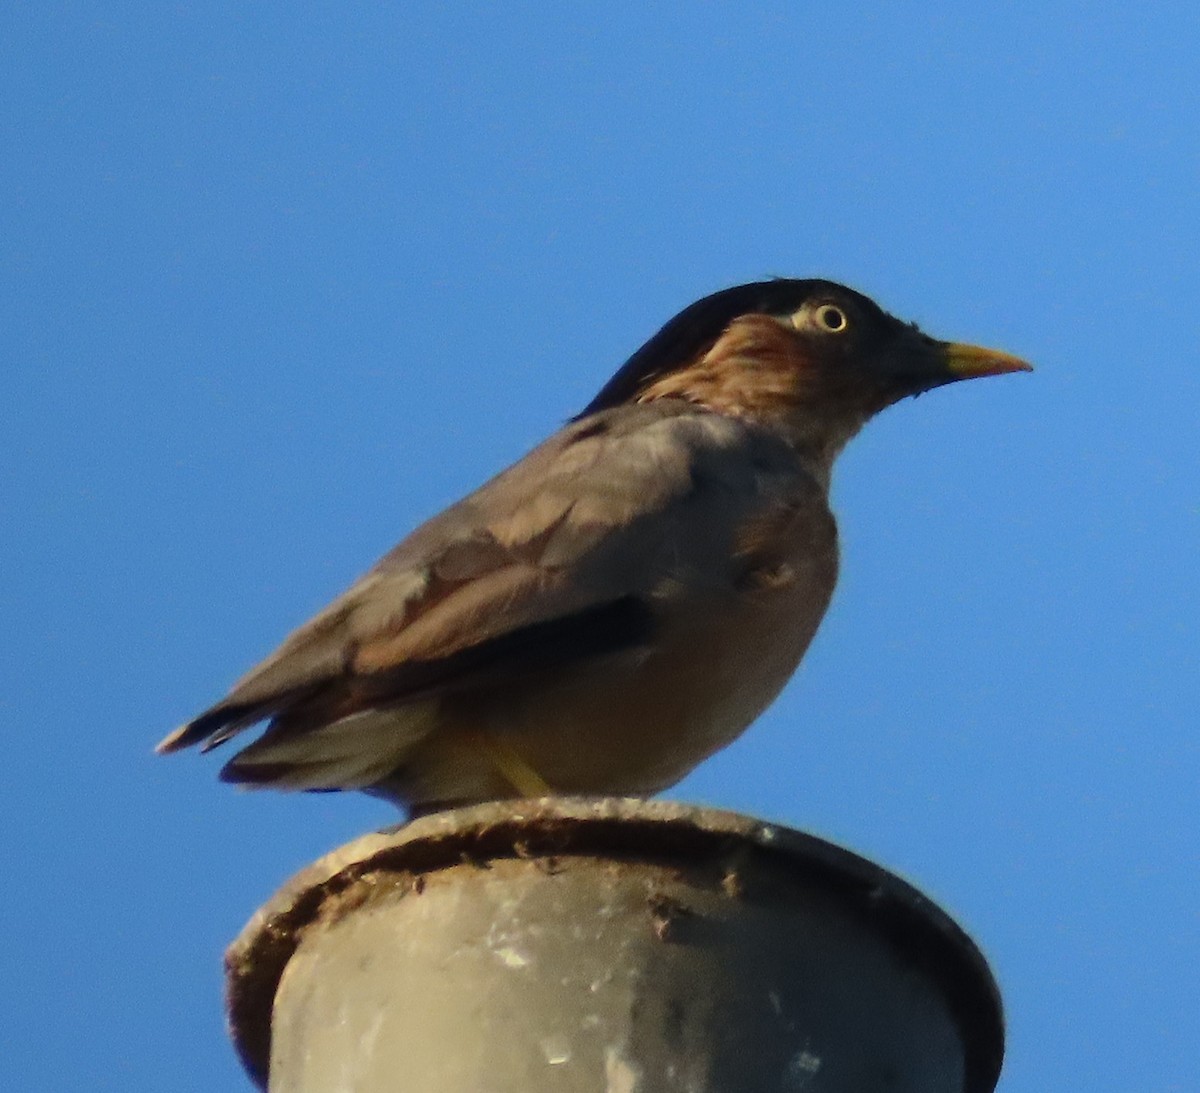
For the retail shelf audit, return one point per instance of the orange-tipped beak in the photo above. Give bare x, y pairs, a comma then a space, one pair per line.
968, 361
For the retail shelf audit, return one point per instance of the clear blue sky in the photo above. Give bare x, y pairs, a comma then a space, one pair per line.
281, 280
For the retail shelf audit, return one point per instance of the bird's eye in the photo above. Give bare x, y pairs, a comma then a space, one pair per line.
830, 318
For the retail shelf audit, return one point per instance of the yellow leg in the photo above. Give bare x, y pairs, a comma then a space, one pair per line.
518, 773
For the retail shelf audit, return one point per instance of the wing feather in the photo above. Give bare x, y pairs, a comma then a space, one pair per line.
584, 530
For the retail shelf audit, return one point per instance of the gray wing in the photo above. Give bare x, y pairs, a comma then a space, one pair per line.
563, 556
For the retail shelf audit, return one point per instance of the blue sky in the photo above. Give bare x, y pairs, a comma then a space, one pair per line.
281, 281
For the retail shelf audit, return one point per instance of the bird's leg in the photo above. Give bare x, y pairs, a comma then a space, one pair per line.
518, 773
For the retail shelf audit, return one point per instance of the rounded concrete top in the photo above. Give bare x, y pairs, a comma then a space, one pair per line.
622, 830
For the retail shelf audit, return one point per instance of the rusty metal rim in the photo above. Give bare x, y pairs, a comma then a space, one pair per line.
632, 829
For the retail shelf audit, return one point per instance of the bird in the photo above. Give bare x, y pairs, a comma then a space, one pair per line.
621, 602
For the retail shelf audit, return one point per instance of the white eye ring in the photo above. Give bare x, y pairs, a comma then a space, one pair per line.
831, 319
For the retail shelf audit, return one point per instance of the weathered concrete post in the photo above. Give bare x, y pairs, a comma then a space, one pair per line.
608, 946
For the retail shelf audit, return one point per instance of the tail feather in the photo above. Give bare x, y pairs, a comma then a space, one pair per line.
350, 753
220, 723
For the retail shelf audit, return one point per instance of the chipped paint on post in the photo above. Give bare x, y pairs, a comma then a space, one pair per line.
802, 1069
620, 1076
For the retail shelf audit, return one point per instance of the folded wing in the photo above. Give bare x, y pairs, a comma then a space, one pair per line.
561, 558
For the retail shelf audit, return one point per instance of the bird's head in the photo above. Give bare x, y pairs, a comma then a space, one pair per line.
813, 357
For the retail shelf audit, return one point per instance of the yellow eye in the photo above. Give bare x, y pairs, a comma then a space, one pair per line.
831, 319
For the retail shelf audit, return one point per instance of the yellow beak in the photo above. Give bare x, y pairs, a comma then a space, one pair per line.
968, 361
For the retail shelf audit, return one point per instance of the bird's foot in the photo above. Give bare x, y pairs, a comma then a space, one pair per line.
513, 767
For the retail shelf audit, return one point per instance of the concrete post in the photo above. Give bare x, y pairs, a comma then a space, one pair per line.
607, 946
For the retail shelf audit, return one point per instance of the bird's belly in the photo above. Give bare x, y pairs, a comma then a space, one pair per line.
641, 725
633, 722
